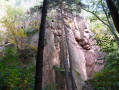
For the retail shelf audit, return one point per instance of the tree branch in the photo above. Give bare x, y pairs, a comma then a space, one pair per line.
96, 16
111, 25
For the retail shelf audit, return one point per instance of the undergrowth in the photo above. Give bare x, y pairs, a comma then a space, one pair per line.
13, 75
107, 78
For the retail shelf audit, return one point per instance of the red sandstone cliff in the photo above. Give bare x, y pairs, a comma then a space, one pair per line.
83, 51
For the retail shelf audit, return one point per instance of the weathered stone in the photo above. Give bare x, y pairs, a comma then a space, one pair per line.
77, 35
77, 55
101, 55
82, 53
34, 40
99, 65
90, 58
86, 47
86, 33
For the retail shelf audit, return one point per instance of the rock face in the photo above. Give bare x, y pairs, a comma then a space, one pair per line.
81, 48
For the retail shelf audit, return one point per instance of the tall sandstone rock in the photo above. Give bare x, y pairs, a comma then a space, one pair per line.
83, 51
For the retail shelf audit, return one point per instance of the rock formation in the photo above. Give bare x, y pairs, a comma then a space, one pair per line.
83, 51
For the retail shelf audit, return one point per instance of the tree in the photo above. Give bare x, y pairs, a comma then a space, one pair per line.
114, 13
66, 7
111, 27
69, 52
39, 60
64, 53
12, 22
99, 7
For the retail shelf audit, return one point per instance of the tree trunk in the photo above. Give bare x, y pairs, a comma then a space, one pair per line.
69, 52
39, 60
114, 13
65, 61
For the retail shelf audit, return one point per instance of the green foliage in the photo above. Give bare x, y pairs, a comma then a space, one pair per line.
68, 6
116, 3
59, 69
50, 86
27, 55
13, 76
97, 28
107, 43
108, 78
12, 21
1, 37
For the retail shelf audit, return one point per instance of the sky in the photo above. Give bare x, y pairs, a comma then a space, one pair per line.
85, 1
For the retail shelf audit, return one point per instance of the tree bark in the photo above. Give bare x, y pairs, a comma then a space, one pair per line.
39, 60
69, 52
70, 57
65, 61
114, 13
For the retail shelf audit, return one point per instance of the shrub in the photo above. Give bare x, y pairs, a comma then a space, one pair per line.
13, 75
107, 43
12, 22
50, 86
108, 78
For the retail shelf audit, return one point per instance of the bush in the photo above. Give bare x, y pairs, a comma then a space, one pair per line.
50, 86
13, 75
12, 22
107, 43
108, 78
